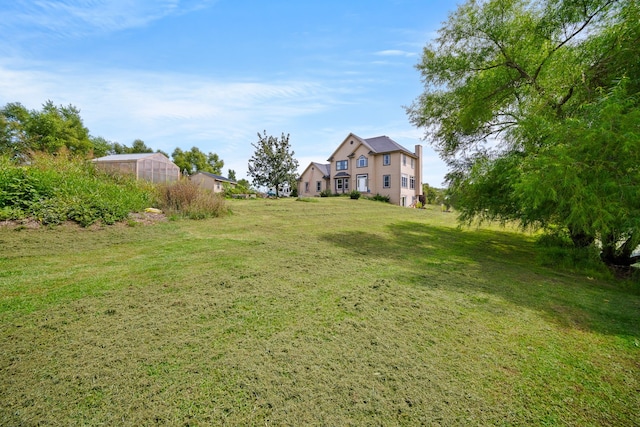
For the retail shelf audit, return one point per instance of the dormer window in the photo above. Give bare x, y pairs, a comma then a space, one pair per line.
362, 162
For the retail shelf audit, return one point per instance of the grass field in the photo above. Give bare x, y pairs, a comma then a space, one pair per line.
336, 312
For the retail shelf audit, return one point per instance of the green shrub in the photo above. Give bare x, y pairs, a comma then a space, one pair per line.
326, 193
380, 198
19, 188
50, 211
11, 213
230, 192
355, 194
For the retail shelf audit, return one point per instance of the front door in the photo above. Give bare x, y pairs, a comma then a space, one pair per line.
362, 183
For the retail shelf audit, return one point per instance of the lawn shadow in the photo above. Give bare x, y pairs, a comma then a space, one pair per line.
500, 263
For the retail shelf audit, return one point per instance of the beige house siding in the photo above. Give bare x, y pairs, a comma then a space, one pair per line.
211, 182
367, 172
313, 177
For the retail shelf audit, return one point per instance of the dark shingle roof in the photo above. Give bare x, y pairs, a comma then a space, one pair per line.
324, 168
384, 144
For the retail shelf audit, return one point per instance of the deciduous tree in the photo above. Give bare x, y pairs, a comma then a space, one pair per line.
194, 160
49, 130
272, 163
534, 104
13, 137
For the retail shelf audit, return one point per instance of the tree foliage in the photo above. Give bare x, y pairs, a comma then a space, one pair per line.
534, 106
194, 160
272, 163
50, 130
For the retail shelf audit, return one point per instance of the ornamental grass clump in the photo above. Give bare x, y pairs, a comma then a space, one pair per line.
185, 199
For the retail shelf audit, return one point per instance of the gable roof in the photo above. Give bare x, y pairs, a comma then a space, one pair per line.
384, 144
324, 168
376, 145
216, 177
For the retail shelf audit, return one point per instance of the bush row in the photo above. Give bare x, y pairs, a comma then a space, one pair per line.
54, 189
354, 194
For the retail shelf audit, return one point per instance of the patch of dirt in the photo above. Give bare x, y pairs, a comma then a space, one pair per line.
148, 218
23, 223
138, 218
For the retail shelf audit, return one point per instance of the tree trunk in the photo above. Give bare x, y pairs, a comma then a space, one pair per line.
580, 239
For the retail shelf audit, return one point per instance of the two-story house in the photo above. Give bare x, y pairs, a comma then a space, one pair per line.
371, 166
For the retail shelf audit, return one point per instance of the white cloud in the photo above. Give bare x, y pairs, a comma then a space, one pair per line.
166, 110
76, 18
394, 52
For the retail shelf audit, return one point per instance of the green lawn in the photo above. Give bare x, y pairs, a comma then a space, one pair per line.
338, 312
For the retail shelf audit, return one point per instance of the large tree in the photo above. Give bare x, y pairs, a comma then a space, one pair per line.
272, 163
194, 160
50, 129
534, 106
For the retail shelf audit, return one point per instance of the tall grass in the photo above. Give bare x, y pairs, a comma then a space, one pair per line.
186, 199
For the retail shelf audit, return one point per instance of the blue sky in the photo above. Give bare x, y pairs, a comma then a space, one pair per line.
214, 73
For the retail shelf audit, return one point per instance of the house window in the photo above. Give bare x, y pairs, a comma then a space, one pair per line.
341, 165
412, 182
404, 160
405, 181
386, 159
318, 185
362, 162
386, 181
306, 187
342, 184
413, 161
